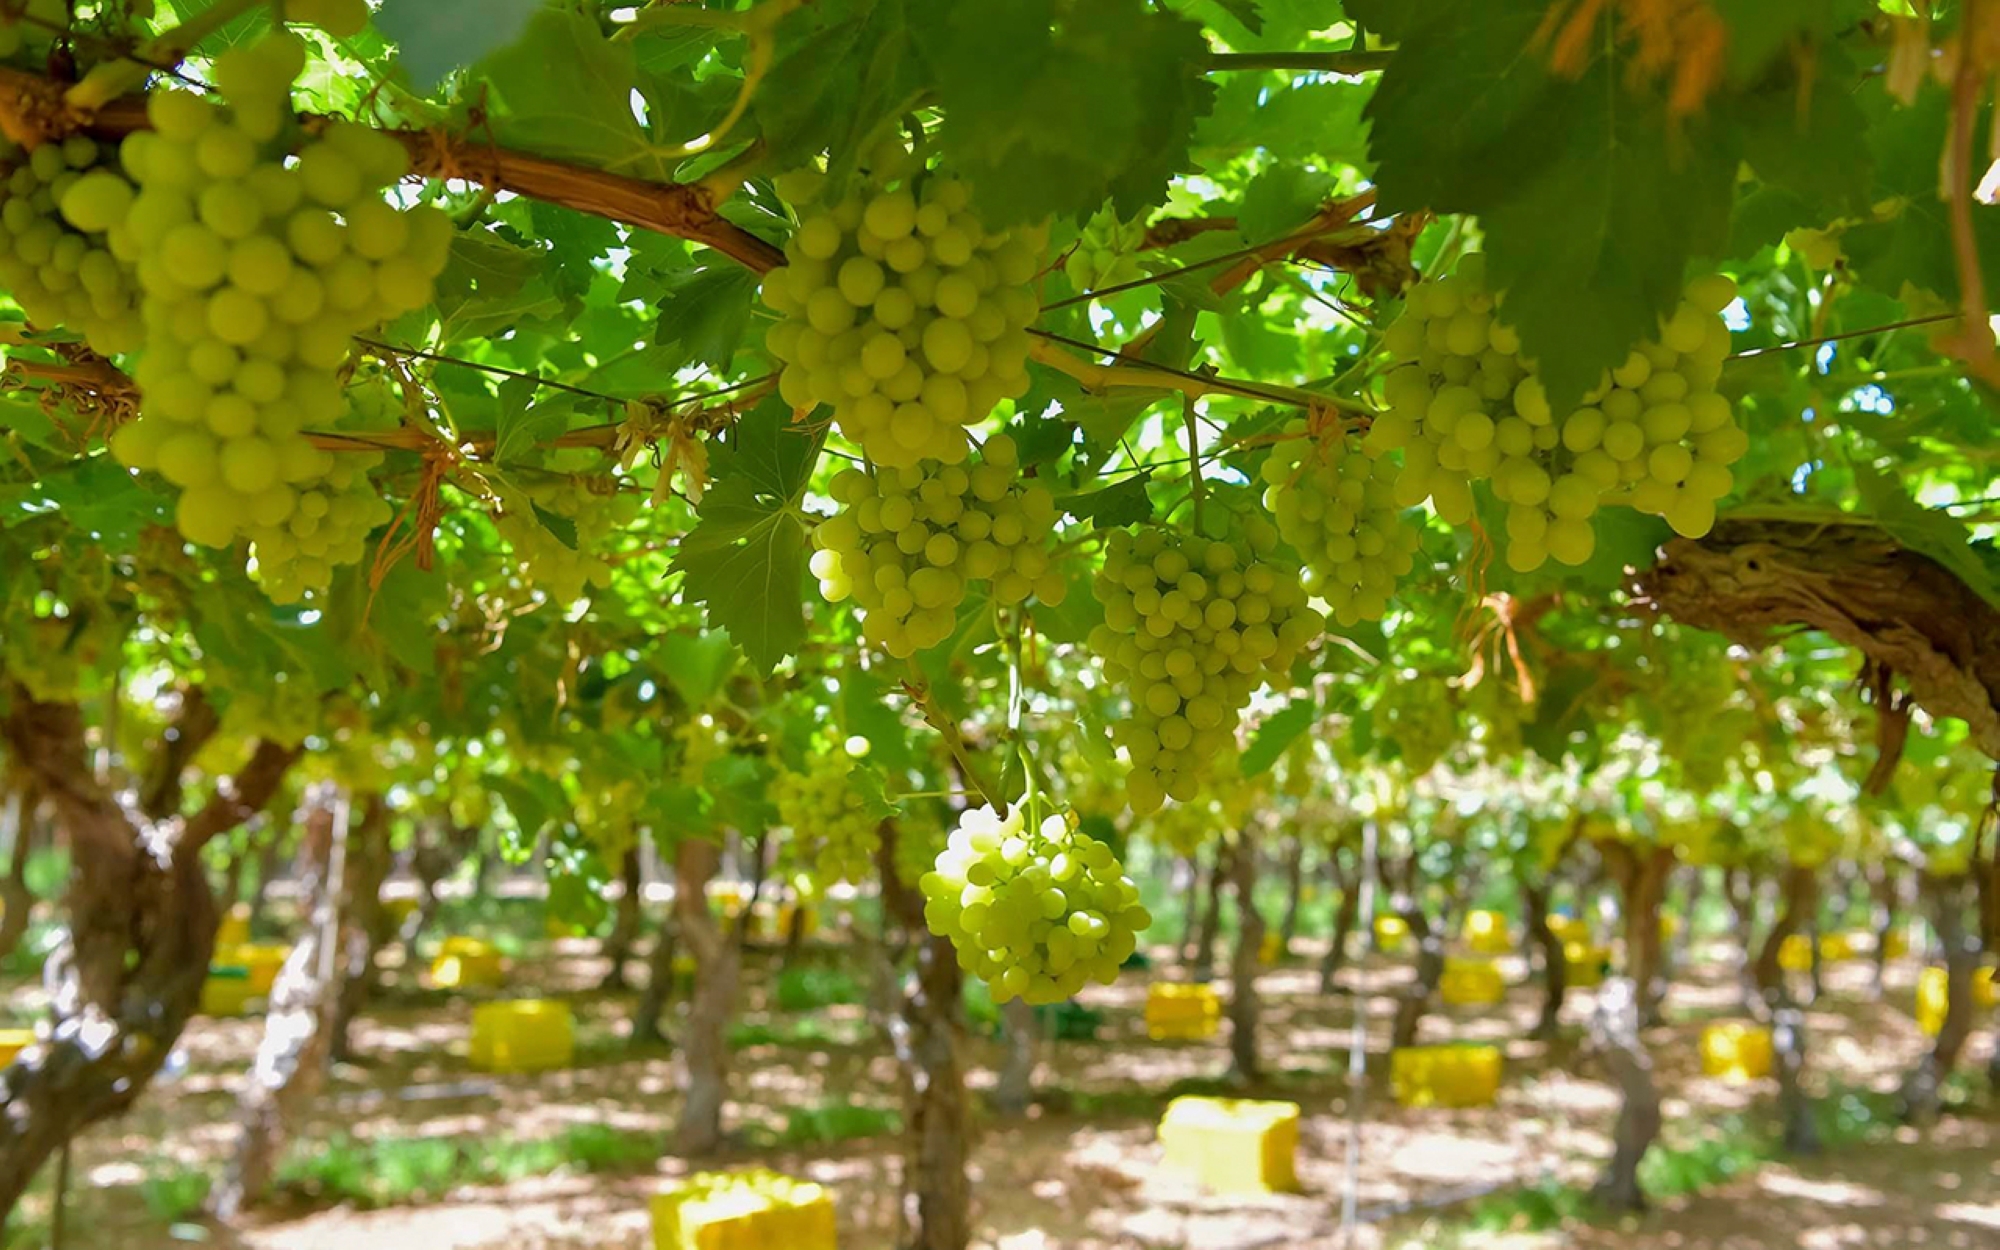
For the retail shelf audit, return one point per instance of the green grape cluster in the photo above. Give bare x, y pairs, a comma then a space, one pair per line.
1416, 713
1103, 255
564, 570
907, 542
1336, 505
1464, 406
1192, 627
256, 274
1038, 910
833, 831
901, 312
60, 272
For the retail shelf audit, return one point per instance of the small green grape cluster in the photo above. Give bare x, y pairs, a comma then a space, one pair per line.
59, 273
1103, 255
903, 314
1038, 911
702, 742
256, 276
1336, 505
833, 832
907, 542
1416, 713
566, 572
1463, 406
1192, 628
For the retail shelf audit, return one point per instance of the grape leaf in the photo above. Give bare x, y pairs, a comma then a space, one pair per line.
1281, 199
848, 70
745, 559
1804, 142
521, 425
706, 314
438, 36
532, 799
1279, 730
695, 664
96, 496
1926, 531
866, 709
564, 90
489, 286
1053, 106
1121, 503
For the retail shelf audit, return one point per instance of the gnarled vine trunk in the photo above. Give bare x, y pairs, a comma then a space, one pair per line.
1015, 1087
1295, 888
659, 986
1554, 961
128, 973
625, 922
1884, 894
1219, 870
1799, 889
365, 926
1344, 916
1243, 961
16, 829
1190, 908
1641, 876
717, 961
1923, 1085
1614, 1035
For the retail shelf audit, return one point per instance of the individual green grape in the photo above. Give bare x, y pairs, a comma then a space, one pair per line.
55, 208
1037, 911
1192, 628
901, 312
255, 275
1337, 507
833, 832
907, 543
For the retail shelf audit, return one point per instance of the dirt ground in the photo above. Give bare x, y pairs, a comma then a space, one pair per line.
1084, 1169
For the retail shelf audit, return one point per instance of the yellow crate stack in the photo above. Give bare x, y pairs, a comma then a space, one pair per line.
1569, 929
526, 1035
1933, 996
1445, 1076
1390, 934
1181, 1012
400, 907
465, 963
1233, 1145
227, 991
13, 1042
1737, 1052
262, 961
235, 927
1471, 983
1583, 965
1486, 933
755, 1210
1272, 948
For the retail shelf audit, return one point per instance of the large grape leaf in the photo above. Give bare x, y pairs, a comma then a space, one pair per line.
1053, 106
438, 36
1279, 730
745, 559
1927, 531
848, 70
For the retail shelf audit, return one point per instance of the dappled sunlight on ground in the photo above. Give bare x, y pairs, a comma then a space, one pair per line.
1083, 1169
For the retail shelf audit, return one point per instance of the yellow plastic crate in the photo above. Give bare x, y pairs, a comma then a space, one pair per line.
227, 991
1471, 983
1233, 1145
465, 963
235, 927
1445, 1076
400, 908
525, 1035
1272, 948
1176, 1011
1795, 953
755, 1210
1569, 929
1486, 933
1836, 948
1896, 943
728, 898
13, 1042
1584, 965
1739, 1052
260, 960
1934, 989
1669, 926
1390, 934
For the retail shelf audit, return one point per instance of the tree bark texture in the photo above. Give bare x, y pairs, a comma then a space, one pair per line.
305, 1004
1554, 961
16, 828
1614, 1034
1295, 888
1884, 890
1190, 909
1348, 882
141, 927
1923, 1086
1015, 1088
1641, 874
625, 922
1799, 887
1219, 869
364, 923
1243, 1004
1753, 579
659, 986
718, 960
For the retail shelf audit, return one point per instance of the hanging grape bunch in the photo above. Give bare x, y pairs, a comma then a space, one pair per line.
1336, 505
1192, 628
1416, 713
1463, 406
902, 313
256, 274
907, 543
58, 271
832, 827
1103, 255
1036, 909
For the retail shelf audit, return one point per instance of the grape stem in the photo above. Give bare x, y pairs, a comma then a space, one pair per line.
1148, 375
1194, 457
1351, 62
106, 82
759, 26
918, 688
